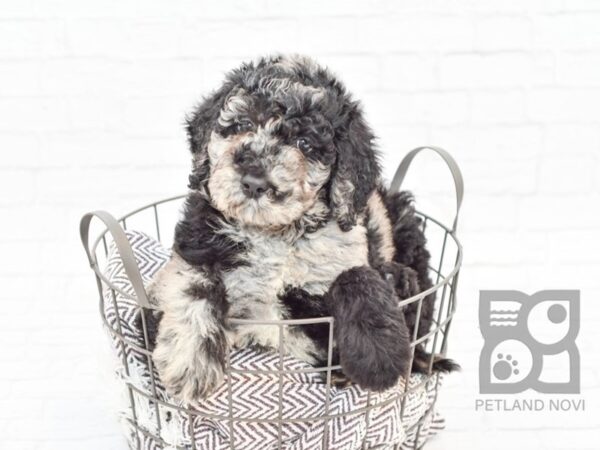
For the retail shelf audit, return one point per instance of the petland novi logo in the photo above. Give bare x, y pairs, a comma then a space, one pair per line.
529, 344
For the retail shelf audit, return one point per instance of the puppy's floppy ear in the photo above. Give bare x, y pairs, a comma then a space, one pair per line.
357, 170
199, 125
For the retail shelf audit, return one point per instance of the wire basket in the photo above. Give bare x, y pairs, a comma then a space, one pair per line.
157, 217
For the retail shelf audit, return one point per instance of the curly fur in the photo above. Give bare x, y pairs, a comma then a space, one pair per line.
370, 332
324, 237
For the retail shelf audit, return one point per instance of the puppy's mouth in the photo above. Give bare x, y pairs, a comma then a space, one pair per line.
270, 210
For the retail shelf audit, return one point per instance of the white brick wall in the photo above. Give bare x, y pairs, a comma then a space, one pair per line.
92, 97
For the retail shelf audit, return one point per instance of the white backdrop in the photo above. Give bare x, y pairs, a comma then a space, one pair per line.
92, 100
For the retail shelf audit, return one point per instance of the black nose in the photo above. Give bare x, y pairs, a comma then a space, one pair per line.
254, 186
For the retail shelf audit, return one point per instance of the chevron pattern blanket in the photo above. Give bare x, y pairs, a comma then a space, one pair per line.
254, 396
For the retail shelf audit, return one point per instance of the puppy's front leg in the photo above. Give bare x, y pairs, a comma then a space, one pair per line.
191, 344
369, 328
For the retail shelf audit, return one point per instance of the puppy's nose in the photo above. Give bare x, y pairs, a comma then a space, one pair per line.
254, 186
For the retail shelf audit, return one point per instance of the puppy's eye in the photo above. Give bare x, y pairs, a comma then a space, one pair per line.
243, 125
303, 145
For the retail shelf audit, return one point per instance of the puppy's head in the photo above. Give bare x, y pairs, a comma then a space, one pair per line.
280, 135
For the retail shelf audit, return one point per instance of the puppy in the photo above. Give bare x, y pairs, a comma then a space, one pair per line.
287, 218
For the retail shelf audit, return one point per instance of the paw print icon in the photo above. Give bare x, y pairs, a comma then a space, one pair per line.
529, 342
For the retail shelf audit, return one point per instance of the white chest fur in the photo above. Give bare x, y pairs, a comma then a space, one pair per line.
272, 263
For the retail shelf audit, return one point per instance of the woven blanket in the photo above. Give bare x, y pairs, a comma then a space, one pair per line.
256, 399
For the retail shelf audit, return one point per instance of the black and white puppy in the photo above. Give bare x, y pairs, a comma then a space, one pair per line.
287, 218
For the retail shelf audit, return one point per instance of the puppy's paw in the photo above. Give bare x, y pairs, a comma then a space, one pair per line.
340, 380
190, 370
191, 344
404, 279
370, 330
425, 362
379, 360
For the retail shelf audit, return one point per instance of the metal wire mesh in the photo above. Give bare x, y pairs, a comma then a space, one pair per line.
446, 253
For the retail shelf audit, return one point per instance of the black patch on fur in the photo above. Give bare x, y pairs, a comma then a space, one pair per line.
357, 163
197, 291
371, 335
217, 298
199, 127
215, 294
411, 251
302, 305
197, 240
404, 279
152, 317
217, 348
248, 162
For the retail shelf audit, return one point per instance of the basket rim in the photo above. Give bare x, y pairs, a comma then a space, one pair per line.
441, 326
443, 280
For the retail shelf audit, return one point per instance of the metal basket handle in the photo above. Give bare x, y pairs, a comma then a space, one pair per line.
452, 165
122, 243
